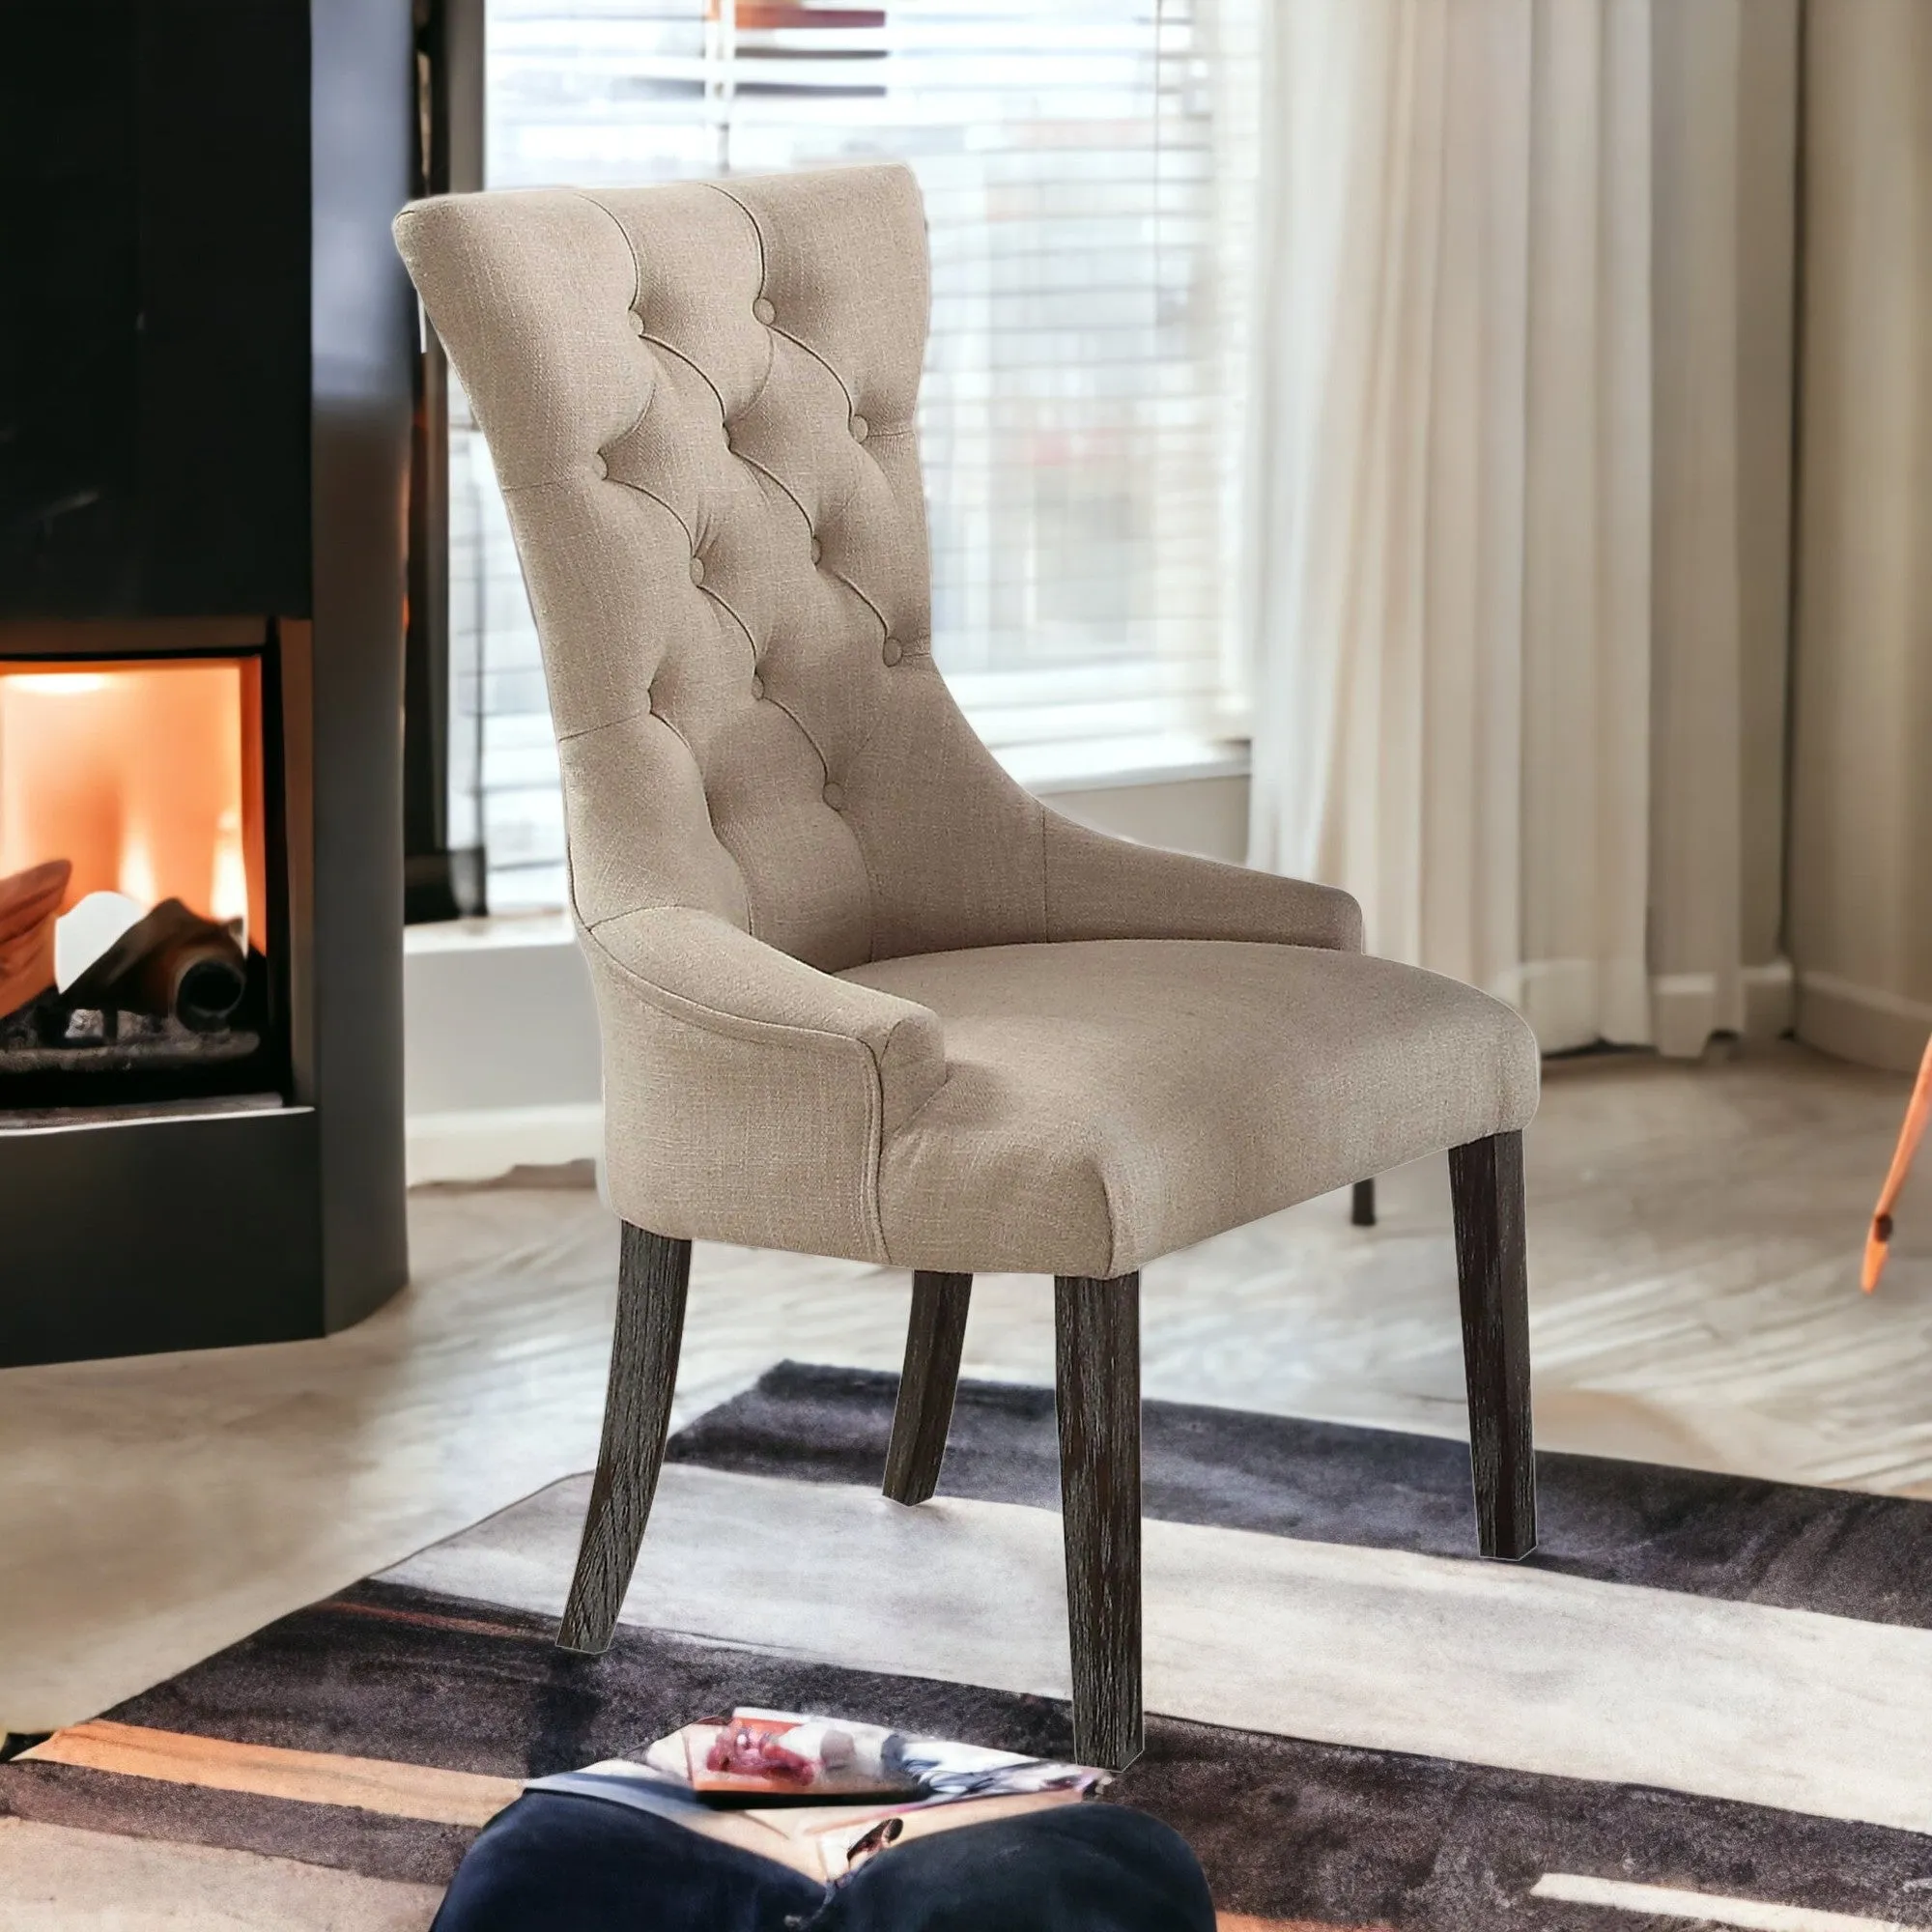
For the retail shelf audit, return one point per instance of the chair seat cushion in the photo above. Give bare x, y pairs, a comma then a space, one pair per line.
1108, 1101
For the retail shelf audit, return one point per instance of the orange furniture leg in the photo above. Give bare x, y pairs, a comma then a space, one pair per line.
1917, 1111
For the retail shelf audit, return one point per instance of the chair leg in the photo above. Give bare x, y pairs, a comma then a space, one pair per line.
1099, 1399
923, 1411
653, 1274
1362, 1205
1486, 1185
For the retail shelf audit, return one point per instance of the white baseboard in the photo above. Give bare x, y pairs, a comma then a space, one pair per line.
1868, 1024
1688, 1008
481, 1143
1771, 1000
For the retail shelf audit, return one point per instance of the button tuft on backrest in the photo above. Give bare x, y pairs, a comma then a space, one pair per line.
723, 430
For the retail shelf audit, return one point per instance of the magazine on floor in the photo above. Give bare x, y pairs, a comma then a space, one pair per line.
821, 1794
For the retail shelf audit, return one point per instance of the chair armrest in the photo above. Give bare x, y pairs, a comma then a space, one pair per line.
709, 976
747, 1095
1102, 887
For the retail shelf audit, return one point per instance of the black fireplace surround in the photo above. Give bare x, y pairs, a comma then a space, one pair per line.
206, 354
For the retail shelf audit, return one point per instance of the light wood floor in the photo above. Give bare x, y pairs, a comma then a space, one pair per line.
1694, 1243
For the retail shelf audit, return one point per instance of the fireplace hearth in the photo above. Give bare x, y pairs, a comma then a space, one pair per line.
206, 350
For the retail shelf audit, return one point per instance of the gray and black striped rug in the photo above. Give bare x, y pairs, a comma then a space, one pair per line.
1706, 1699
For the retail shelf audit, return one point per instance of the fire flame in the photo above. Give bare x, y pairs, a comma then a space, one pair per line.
145, 775
135, 876
228, 889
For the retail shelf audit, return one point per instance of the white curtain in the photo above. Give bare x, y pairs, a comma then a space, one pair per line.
1507, 360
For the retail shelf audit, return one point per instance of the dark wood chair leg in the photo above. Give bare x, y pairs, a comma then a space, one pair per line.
1097, 1335
923, 1413
1362, 1205
653, 1275
1486, 1185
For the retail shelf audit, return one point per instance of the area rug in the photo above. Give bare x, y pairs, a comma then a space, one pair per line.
1704, 1700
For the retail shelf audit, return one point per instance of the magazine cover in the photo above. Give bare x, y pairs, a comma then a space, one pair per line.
821, 1794
770, 1755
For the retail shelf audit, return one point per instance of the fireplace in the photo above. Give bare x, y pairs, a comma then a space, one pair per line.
138, 953
206, 355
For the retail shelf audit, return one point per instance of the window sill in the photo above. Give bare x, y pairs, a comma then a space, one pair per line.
1045, 769
490, 933
1113, 764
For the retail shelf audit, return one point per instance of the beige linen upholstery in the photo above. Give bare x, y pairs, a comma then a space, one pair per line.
1107, 1103
846, 970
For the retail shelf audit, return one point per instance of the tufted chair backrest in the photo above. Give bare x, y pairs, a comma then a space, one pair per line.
699, 400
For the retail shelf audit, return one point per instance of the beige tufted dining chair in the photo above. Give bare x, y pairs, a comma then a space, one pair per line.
859, 994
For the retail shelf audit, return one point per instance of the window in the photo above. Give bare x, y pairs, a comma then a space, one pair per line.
1083, 164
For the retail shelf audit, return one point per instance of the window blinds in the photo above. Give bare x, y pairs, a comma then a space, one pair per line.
1086, 167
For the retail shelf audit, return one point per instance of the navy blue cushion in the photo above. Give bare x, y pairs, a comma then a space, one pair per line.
559, 1862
